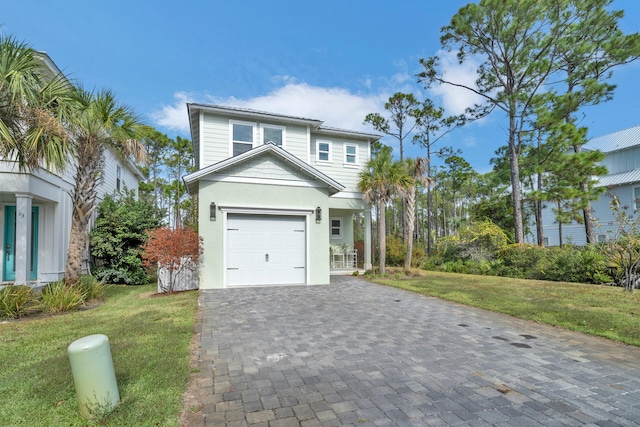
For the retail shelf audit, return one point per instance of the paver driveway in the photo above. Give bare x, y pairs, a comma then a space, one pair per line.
357, 353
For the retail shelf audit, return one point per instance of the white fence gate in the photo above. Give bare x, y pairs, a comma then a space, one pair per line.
185, 279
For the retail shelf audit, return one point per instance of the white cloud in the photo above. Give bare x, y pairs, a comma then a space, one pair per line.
336, 107
174, 117
456, 99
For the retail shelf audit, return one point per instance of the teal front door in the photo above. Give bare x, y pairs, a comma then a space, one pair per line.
8, 261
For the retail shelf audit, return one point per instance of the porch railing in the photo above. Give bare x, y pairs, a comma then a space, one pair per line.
343, 256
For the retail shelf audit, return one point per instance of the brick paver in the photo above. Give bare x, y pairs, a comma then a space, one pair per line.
361, 354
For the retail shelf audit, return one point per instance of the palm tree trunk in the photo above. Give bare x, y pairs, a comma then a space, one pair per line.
410, 223
90, 162
381, 236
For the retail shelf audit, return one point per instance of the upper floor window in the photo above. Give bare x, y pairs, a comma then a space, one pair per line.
273, 134
118, 177
350, 154
241, 137
636, 198
323, 149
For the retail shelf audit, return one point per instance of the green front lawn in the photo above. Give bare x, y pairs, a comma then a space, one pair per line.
597, 310
150, 338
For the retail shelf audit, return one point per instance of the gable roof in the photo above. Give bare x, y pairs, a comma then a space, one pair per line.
192, 179
620, 140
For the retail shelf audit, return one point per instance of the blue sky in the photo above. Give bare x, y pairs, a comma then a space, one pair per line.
333, 60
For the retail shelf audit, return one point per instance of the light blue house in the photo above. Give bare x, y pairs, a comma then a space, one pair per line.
275, 192
622, 151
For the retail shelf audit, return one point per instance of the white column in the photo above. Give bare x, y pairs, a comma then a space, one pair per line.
23, 239
367, 240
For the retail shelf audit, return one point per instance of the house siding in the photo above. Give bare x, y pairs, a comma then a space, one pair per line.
216, 137
265, 167
214, 129
347, 175
128, 178
622, 161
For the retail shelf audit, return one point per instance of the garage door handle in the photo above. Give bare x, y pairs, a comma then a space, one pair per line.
266, 257
297, 267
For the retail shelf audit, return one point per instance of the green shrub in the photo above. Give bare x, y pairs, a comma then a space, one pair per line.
120, 230
481, 267
448, 248
16, 300
482, 240
91, 288
520, 261
574, 264
456, 266
417, 256
395, 251
57, 297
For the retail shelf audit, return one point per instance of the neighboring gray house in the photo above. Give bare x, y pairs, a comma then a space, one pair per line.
275, 192
622, 150
35, 214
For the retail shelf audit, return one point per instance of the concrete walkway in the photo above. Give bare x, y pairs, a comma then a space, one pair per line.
361, 354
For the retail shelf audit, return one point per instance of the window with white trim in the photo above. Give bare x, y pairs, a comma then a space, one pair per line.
242, 136
323, 151
336, 228
118, 177
274, 134
545, 241
350, 154
636, 198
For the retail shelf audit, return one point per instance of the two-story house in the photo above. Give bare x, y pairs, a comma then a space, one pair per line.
35, 213
274, 193
622, 151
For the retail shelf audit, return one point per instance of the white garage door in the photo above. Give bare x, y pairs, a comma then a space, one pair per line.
265, 250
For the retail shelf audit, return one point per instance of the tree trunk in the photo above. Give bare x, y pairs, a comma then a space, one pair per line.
539, 225
560, 227
589, 226
515, 182
381, 237
410, 222
90, 164
435, 221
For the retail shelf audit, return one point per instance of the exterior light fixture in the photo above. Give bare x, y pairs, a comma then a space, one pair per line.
212, 211
318, 214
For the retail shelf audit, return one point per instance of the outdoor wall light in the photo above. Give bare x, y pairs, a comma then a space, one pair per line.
318, 214
212, 211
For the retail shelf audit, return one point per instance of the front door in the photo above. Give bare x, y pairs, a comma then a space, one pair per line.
8, 261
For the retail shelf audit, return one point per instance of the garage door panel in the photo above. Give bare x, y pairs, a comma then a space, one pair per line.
265, 250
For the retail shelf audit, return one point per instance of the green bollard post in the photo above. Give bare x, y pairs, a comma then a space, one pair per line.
93, 375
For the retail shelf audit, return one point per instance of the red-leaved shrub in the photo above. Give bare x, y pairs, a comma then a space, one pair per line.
173, 251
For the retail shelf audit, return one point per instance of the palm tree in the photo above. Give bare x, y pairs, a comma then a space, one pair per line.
33, 98
416, 170
382, 178
98, 123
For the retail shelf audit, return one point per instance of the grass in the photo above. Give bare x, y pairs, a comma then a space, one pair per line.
149, 338
604, 311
